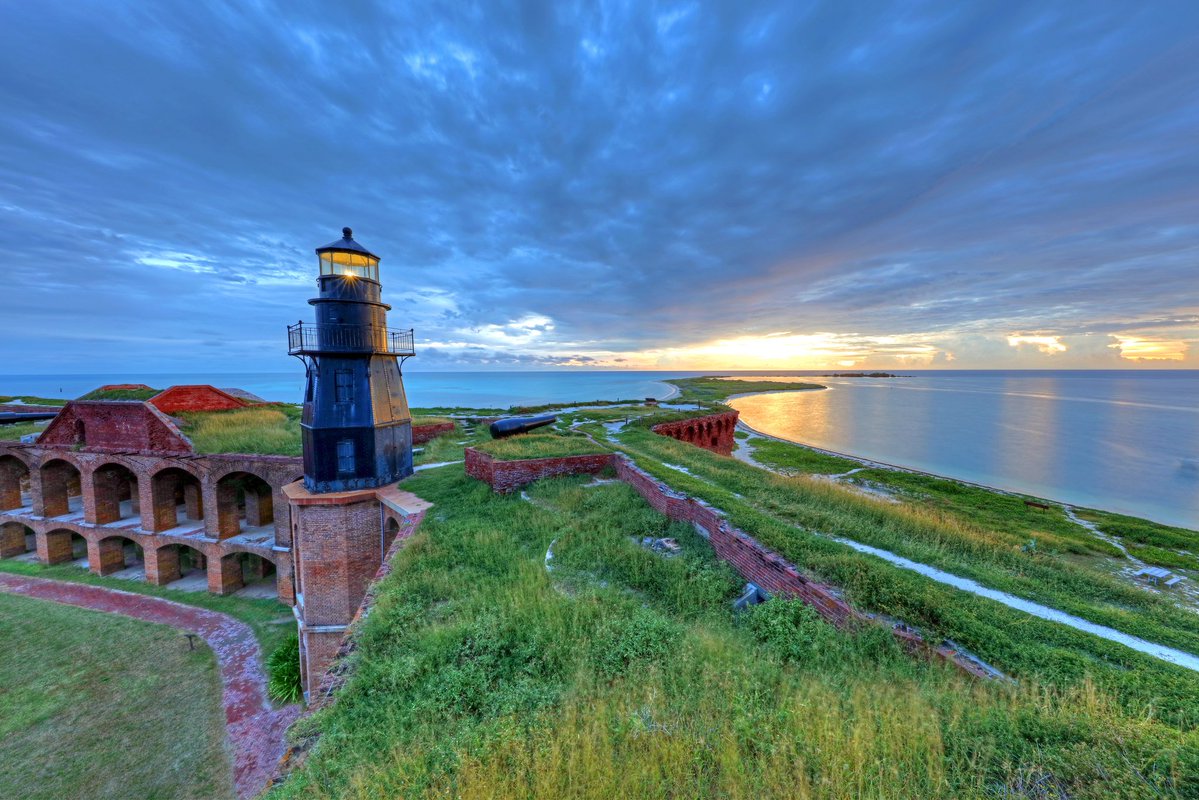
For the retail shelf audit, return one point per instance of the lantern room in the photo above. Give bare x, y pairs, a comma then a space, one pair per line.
348, 258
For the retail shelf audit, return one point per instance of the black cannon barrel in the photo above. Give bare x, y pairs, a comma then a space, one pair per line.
514, 425
11, 416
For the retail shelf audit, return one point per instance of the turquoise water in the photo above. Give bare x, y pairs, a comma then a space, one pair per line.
1120, 441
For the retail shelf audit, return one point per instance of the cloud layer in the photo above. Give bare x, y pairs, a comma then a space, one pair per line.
676, 185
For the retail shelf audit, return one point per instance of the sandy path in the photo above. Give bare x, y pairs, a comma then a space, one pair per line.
256, 731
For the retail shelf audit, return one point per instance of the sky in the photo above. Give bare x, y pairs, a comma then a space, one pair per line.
714, 185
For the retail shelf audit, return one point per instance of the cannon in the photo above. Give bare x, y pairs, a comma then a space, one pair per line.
11, 416
516, 425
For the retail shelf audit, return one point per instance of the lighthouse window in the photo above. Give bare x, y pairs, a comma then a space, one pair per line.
343, 388
345, 455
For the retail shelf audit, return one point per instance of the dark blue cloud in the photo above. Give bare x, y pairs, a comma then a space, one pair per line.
549, 182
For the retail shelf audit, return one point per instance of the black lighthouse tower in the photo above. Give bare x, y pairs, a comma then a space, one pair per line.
357, 429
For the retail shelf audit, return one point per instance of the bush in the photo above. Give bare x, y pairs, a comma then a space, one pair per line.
283, 672
644, 636
791, 629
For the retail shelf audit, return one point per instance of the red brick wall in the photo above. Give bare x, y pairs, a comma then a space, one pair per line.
195, 398
713, 432
765, 568
424, 433
119, 425
508, 476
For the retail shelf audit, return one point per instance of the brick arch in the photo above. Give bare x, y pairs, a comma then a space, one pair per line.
165, 562
239, 508
14, 473
175, 492
216, 476
236, 565
107, 552
115, 483
58, 477
56, 545
47, 456
14, 539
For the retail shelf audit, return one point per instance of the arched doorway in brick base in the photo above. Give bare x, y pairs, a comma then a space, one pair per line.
62, 547
249, 575
390, 531
14, 483
118, 557
178, 499
62, 491
16, 540
177, 566
245, 504
117, 499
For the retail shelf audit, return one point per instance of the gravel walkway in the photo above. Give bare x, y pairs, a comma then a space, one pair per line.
256, 731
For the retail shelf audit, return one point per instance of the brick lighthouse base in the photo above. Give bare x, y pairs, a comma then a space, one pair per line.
338, 545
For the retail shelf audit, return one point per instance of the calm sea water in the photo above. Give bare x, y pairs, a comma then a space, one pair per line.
1121, 441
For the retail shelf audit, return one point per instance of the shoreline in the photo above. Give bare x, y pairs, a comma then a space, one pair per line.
870, 462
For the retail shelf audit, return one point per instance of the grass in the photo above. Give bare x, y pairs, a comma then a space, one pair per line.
271, 620
102, 706
1004, 513
539, 445
785, 513
264, 430
480, 674
711, 389
14, 431
120, 394
31, 400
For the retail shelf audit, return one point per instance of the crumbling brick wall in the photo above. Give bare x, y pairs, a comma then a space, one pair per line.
116, 425
508, 476
425, 433
713, 432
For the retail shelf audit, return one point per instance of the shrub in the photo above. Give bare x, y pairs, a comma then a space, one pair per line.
621, 642
283, 671
791, 629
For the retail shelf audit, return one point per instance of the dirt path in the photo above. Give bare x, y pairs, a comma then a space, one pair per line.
256, 731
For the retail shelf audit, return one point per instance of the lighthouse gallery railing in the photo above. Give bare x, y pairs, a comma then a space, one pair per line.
309, 337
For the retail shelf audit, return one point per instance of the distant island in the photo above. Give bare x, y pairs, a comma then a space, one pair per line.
860, 375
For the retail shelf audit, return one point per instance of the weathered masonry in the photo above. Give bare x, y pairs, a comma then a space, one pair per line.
146, 512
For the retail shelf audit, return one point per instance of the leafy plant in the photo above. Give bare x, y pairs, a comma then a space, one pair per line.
283, 671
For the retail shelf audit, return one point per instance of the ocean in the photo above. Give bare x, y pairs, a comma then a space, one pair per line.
1117, 440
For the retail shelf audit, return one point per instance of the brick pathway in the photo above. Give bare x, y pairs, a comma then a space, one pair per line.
256, 731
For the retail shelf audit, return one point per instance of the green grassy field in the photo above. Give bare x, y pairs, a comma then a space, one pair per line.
539, 445
271, 621
621, 673
14, 431
97, 706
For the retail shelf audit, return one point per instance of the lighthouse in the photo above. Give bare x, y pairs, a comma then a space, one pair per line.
356, 426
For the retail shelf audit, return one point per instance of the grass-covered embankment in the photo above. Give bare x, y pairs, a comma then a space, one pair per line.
102, 706
14, 431
788, 514
620, 673
262, 430
120, 394
540, 445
